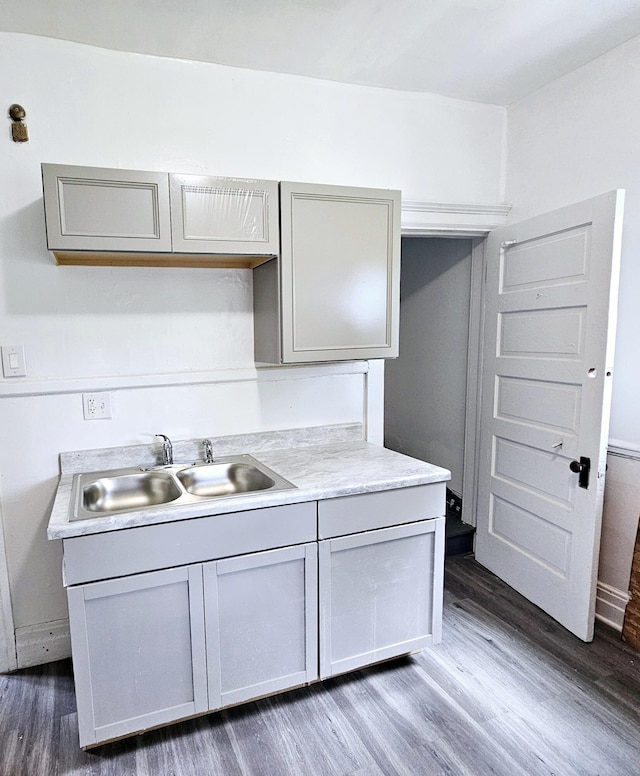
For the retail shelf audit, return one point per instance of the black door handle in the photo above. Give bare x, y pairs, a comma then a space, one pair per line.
583, 468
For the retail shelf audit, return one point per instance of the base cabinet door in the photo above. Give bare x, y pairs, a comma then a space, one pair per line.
261, 623
138, 652
380, 594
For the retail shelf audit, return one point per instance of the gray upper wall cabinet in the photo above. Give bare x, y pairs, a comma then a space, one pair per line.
332, 294
335, 292
130, 217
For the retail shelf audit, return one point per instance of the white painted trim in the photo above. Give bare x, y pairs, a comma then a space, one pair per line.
451, 219
8, 661
624, 449
106, 383
43, 643
242, 375
611, 604
474, 367
303, 372
374, 403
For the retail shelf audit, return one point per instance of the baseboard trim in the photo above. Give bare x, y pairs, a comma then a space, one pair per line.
610, 605
43, 643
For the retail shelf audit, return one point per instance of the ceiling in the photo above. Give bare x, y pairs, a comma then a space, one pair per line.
493, 51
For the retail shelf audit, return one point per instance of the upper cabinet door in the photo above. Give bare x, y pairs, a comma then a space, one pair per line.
95, 209
224, 215
340, 272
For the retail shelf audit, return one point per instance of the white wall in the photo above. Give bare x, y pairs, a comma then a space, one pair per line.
425, 388
146, 332
576, 138
571, 140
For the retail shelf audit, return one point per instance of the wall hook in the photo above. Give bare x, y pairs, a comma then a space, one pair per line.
19, 131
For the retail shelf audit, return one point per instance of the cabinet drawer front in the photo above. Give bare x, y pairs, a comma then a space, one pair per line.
97, 209
118, 553
367, 511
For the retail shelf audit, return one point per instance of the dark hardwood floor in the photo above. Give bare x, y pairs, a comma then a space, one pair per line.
508, 692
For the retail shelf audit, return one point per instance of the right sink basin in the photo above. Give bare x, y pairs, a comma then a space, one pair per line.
212, 480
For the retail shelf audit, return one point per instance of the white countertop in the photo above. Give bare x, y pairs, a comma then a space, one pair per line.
318, 472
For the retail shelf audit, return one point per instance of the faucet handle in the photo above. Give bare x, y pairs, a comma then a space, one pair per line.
208, 450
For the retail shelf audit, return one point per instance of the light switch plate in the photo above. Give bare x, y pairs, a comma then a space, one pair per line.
13, 364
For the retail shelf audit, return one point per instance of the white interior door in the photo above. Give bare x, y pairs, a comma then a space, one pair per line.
549, 326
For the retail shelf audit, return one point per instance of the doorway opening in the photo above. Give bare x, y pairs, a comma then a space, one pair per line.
426, 386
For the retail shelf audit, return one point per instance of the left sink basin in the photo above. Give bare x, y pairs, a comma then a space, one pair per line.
129, 492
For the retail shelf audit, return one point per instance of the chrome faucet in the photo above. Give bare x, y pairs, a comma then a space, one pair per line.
167, 450
208, 451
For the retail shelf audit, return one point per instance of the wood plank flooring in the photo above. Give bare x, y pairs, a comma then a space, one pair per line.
508, 692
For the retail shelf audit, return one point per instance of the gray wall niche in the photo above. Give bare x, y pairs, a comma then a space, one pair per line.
425, 388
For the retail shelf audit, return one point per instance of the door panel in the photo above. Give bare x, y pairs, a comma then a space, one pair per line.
549, 327
138, 651
224, 215
261, 623
340, 272
380, 594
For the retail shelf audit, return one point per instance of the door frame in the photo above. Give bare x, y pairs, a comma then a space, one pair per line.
8, 655
463, 221
474, 378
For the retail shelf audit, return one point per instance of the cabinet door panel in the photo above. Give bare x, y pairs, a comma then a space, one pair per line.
224, 215
340, 265
138, 652
380, 594
261, 620
95, 209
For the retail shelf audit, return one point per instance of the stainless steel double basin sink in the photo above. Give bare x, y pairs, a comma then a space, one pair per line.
116, 491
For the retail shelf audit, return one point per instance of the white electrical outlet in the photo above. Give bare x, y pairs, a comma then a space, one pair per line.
96, 406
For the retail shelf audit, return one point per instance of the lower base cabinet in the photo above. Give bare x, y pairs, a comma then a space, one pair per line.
153, 647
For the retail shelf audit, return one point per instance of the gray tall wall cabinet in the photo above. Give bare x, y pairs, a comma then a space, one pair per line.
326, 259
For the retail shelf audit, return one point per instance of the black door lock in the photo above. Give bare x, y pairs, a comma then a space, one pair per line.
583, 468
